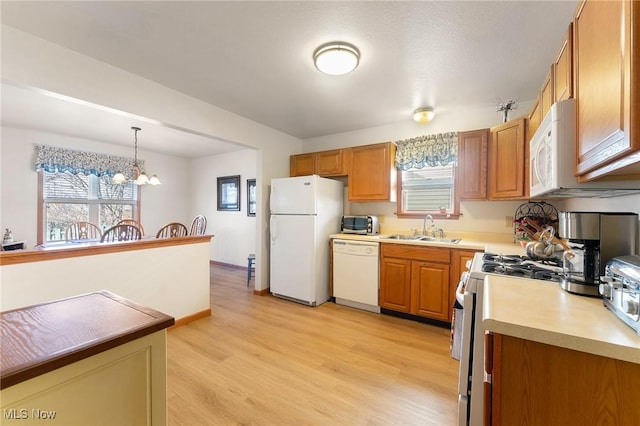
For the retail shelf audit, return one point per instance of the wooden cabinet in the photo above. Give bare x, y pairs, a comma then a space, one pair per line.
395, 283
323, 163
535, 118
430, 290
563, 69
537, 384
302, 164
372, 174
415, 280
507, 161
546, 93
607, 81
459, 259
471, 177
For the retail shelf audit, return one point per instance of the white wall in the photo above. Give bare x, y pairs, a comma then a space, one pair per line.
234, 232
159, 205
152, 277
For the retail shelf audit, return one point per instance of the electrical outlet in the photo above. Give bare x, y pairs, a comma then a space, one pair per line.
508, 221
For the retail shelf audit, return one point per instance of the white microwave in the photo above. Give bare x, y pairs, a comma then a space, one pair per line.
552, 160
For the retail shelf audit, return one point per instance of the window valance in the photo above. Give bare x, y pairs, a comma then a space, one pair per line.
56, 159
427, 151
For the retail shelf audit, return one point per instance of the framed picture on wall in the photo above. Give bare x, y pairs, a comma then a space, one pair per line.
251, 197
229, 193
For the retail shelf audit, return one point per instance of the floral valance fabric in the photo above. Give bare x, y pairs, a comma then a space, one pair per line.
56, 159
427, 151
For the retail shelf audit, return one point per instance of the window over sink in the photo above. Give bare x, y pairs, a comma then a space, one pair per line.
430, 190
426, 176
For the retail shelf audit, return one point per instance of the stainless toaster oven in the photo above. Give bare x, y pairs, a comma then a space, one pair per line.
363, 225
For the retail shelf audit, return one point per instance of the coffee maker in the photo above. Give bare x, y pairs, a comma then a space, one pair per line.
594, 238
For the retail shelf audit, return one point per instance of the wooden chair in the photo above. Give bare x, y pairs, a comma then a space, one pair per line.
171, 230
132, 222
82, 231
199, 225
121, 233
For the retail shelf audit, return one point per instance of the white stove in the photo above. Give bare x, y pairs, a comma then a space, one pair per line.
469, 294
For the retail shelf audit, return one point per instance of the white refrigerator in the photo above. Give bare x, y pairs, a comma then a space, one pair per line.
305, 210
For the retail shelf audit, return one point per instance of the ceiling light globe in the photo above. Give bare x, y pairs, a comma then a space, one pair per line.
336, 58
423, 115
154, 180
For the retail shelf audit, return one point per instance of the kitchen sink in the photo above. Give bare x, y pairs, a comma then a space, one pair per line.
424, 238
441, 240
405, 237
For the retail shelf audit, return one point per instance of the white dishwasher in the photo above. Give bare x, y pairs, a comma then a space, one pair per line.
355, 274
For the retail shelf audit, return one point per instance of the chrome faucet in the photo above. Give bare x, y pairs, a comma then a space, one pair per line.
432, 227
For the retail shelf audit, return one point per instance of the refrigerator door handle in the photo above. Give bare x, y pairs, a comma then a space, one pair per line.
271, 198
274, 229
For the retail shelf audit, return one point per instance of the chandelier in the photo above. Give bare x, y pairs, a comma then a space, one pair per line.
139, 176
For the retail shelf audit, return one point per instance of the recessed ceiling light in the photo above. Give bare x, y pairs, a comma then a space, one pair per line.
423, 115
336, 58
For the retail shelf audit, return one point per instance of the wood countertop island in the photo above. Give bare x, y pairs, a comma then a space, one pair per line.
91, 359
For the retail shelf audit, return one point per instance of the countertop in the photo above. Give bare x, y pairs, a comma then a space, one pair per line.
41, 338
498, 247
542, 312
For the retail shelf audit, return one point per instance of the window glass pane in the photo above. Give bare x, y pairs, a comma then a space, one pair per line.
61, 215
66, 185
116, 191
428, 190
110, 214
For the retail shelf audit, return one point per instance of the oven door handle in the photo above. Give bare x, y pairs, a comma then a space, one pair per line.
460, 287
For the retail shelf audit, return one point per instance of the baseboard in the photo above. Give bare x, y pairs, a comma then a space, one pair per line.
262, 292
417, 318
186, 320
227, 265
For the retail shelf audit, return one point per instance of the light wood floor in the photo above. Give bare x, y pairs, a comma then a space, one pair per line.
266, 361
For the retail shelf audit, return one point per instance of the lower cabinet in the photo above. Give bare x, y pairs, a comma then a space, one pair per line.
415, 280
538, 384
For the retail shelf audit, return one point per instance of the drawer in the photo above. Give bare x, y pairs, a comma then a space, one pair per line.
415, 252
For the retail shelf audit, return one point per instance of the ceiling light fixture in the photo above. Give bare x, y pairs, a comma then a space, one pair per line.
336, 58
139, 176
423, 115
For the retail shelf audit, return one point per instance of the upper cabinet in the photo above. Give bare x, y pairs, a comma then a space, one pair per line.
535, 118
507, 161
606, 61
471, 178
372, 173
546, 93
302, 165
563, 69
324, 163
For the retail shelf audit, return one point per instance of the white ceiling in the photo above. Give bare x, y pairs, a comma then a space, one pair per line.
255, 59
